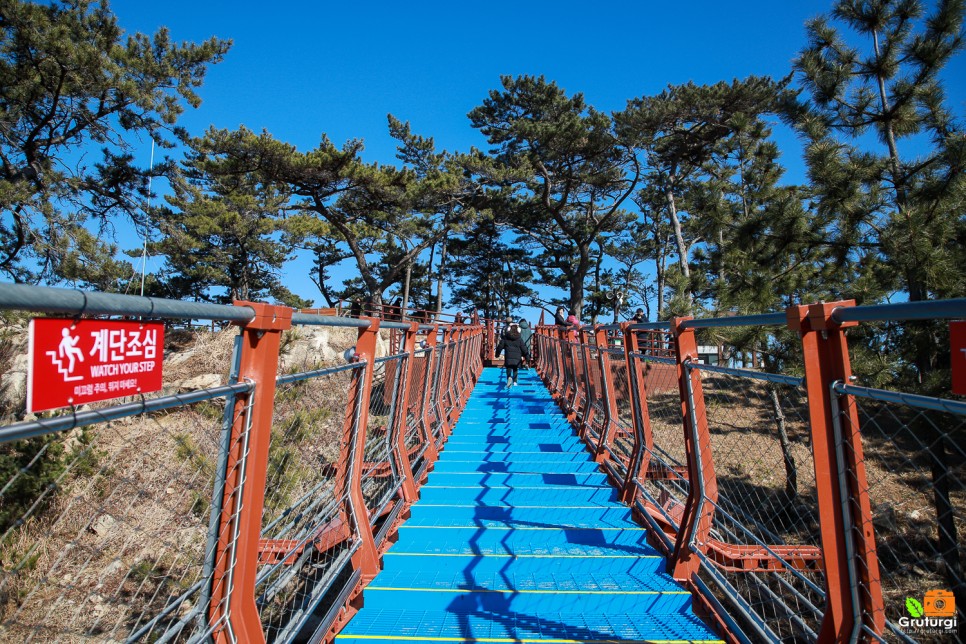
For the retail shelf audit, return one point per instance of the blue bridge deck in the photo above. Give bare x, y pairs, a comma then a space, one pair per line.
517, 537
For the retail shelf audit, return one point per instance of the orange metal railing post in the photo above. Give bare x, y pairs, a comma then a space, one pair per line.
643, 438
490, 341
426, 423
560, 377
540, 359
400, 451
352, 461
593, 387
233, 585
854, 591
608, 395
695, 526
444, 402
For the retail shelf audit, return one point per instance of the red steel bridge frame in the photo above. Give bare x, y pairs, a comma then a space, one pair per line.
851, 568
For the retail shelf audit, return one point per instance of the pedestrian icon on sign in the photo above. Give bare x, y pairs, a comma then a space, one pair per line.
69, 351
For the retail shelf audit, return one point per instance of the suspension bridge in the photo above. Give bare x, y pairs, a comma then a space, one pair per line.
315, 476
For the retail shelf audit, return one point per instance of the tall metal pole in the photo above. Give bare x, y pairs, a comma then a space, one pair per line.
144, 251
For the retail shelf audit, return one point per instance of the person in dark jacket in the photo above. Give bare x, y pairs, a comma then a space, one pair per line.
516, 352
560, 317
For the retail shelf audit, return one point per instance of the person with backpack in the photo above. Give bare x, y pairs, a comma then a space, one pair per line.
574, 323
516, 352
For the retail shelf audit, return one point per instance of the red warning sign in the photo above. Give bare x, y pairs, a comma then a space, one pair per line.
73, 362
957, 342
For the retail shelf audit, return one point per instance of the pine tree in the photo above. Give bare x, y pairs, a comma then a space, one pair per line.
221, 235
70, 80
677, 133
901, 207
486, 273
565, 174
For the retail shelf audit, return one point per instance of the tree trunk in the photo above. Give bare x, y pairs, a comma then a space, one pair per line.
678, 236
405, 302
791, 471
439, 275
659, 274
577, 283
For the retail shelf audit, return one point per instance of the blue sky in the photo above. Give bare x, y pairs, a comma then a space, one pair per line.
300, 69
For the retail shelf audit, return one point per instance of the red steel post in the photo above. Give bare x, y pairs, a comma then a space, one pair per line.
845, 515
233, 583
593, 386
490, 341
703, 485
400, 451
608, 399
352, 460
426, 423
640, 458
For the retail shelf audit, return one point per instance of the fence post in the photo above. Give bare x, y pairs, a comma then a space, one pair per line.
240, 525
541, 357
607, 392
432, 451
490, 343
348, 483
443, 400
845, 514
583, 348
593, 387
640, 459
695, 526
400, 451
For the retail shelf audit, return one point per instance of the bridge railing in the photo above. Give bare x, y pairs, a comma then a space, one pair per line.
245, 504
796, 504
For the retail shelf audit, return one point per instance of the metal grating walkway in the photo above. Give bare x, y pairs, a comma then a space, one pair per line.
517, 537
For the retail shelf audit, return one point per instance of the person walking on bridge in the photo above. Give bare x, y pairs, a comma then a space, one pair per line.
516, 352
526, 333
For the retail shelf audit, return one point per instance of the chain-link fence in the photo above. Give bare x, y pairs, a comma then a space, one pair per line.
764, 540
106, 525
306, 537
795, 508
914, 456
165, 516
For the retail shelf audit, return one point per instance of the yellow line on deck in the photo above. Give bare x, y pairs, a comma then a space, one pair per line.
525, 507
533, 592
510, 527
503, 640
509, 556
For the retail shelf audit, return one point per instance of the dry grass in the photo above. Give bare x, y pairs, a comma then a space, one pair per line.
125, 531
753, 481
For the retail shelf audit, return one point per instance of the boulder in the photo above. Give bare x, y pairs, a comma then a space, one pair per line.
103, 525
203, 381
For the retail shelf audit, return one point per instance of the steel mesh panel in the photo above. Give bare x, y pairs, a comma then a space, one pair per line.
915, 463
764, 471
306, 539
106, 529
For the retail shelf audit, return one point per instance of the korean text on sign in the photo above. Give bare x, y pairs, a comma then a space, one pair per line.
77, 362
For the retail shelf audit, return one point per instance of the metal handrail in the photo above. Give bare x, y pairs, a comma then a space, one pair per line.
44, 426
762, 319
45, 299
924, 310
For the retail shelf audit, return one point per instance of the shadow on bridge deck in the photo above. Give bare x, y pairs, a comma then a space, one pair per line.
517, 537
